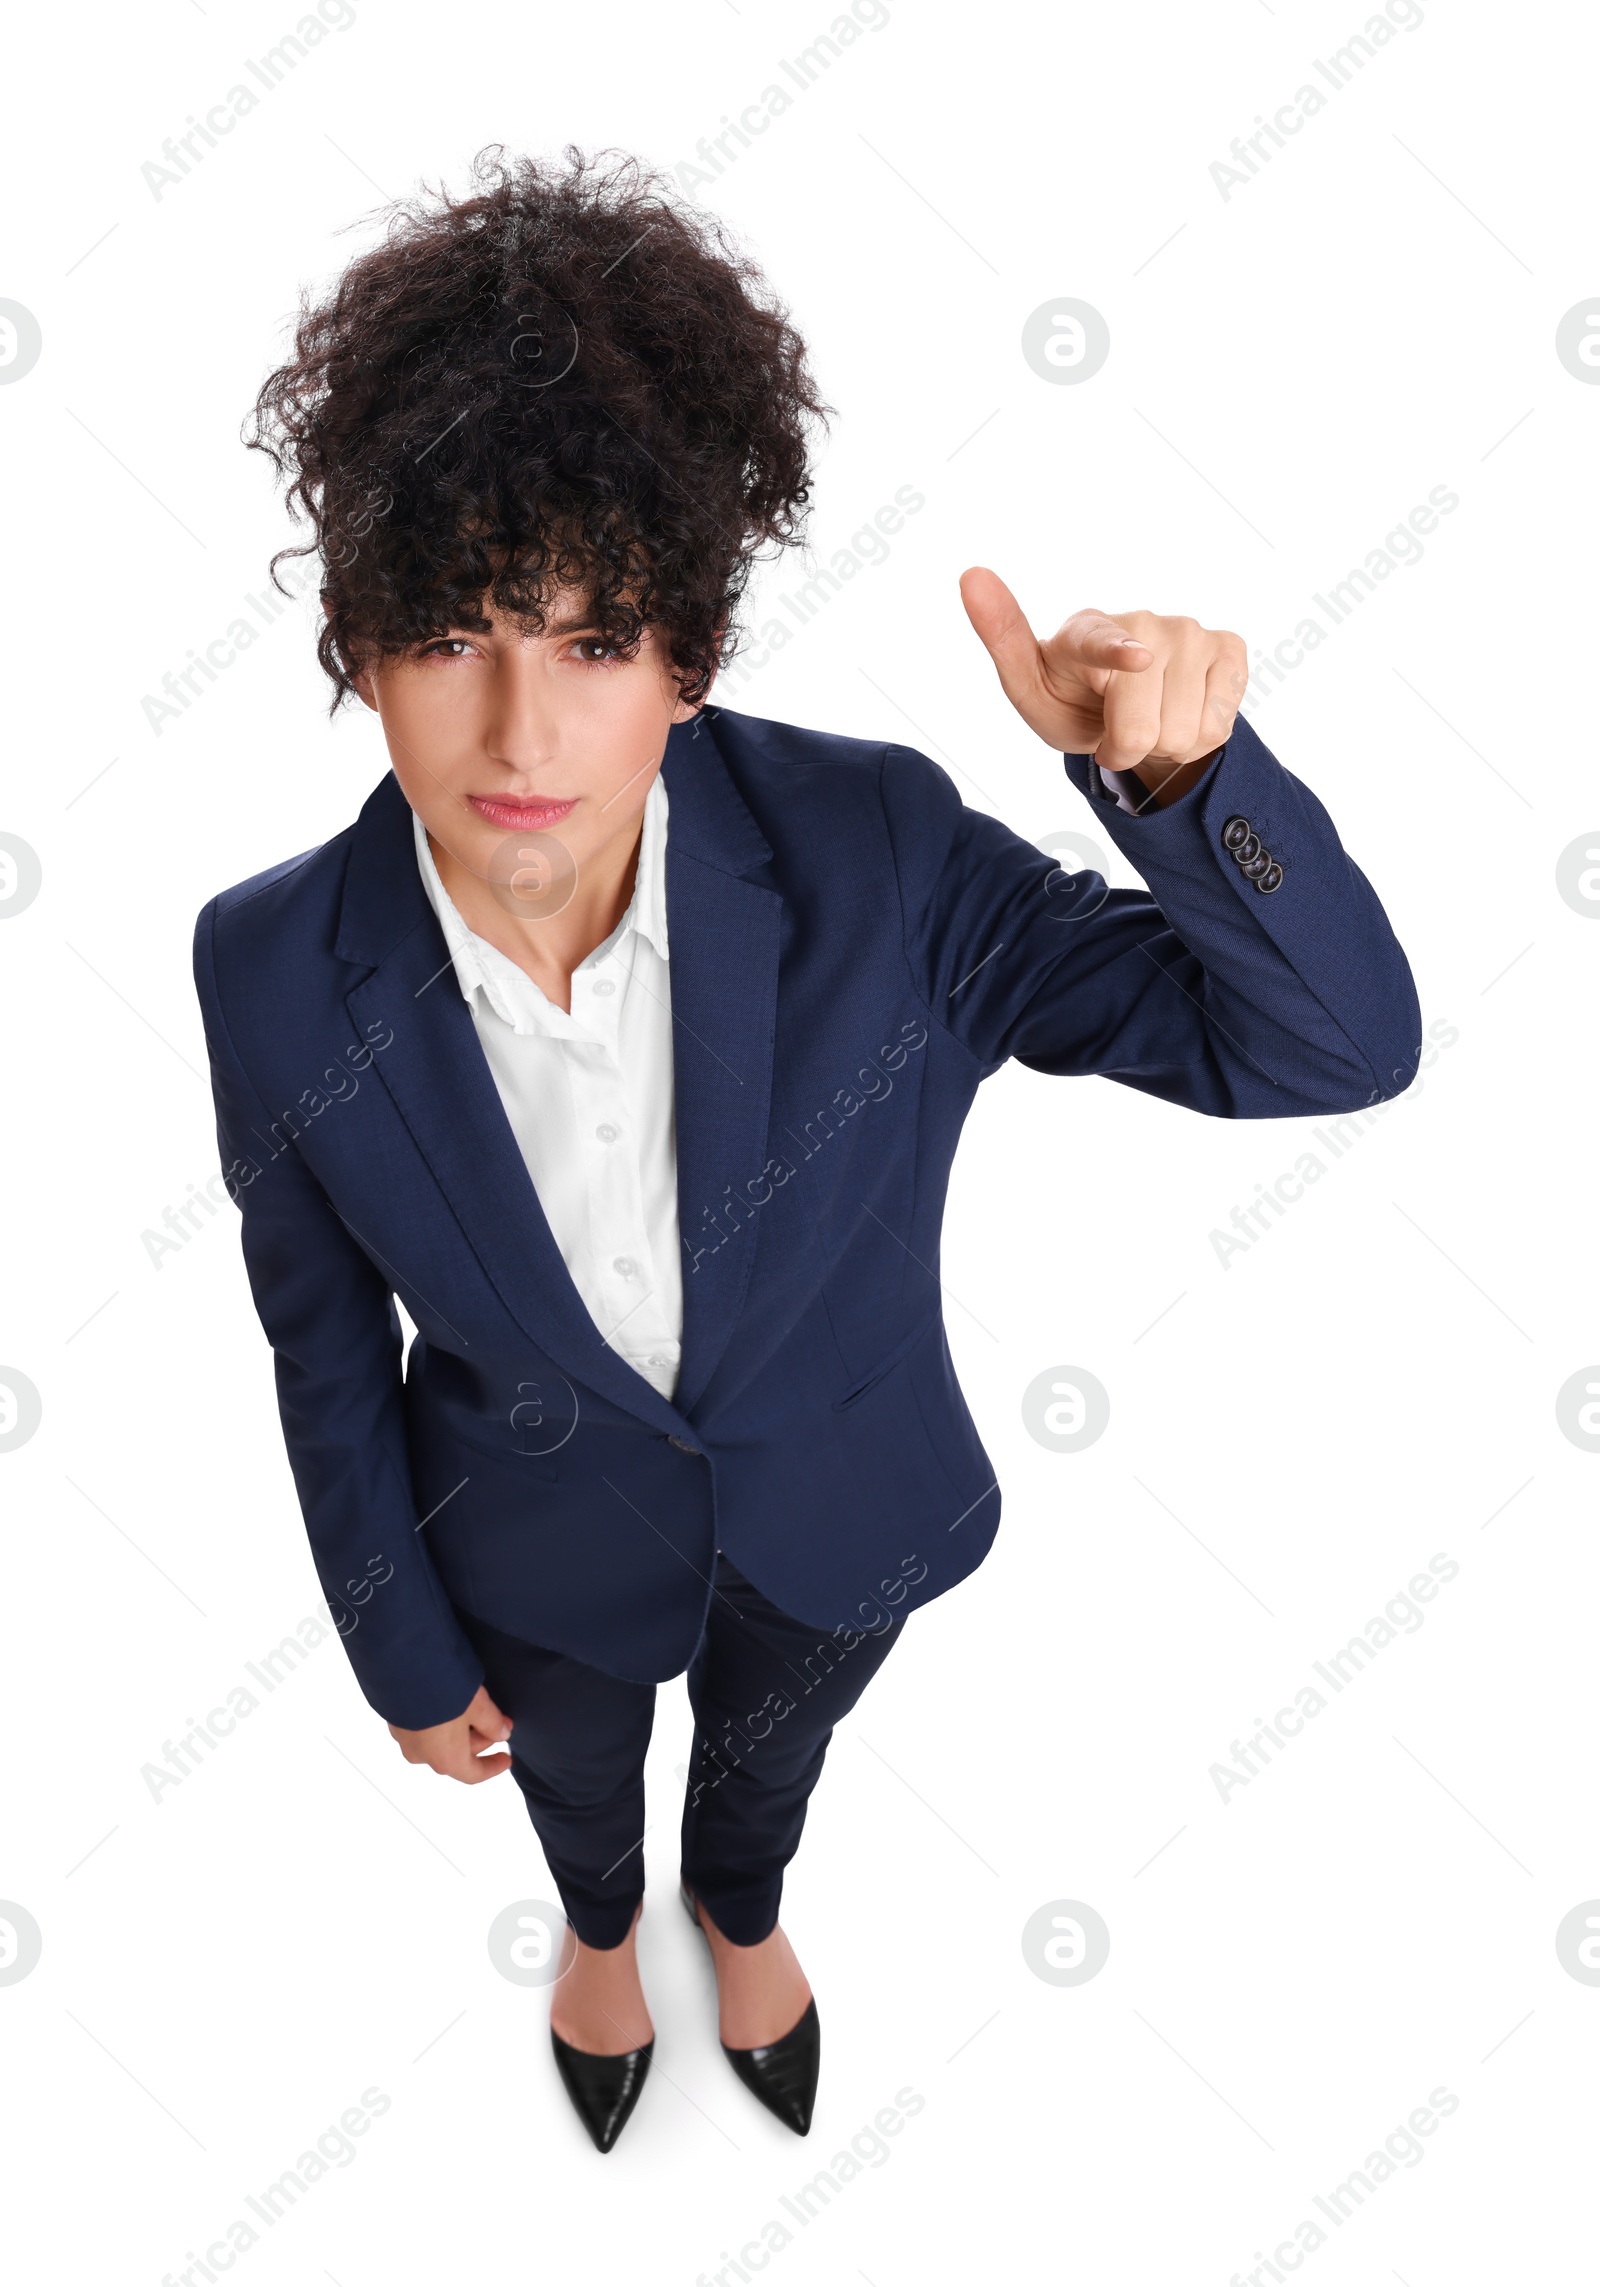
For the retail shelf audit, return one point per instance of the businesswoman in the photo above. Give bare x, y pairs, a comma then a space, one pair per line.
627, 1040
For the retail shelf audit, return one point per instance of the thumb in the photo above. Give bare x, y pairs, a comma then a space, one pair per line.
486, 1720
1003, 631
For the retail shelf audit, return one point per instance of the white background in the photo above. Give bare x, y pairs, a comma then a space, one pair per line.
1292, 1436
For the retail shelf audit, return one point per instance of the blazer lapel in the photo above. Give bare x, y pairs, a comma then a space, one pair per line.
437, 1076
724, 935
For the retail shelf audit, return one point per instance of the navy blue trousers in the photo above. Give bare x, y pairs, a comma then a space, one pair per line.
766, 1691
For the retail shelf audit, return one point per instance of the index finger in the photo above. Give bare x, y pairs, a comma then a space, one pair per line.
484, 1767
1094, 639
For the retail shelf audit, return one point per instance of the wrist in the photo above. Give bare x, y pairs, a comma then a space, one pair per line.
1157, 785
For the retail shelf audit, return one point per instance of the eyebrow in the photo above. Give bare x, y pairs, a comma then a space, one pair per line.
581, 623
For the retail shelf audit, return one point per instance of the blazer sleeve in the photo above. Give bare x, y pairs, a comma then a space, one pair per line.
1201, 988
329, 1314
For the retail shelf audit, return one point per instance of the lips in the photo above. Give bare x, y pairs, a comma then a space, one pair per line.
521, 817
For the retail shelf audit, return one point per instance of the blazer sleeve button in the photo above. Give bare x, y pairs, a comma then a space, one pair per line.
1258, 866
1272, 879
1235, 834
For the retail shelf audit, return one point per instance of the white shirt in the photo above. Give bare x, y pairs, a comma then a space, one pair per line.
590, 1101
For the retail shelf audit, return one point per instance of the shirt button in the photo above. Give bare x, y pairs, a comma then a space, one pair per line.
604, 985
625, 1266
606, 1132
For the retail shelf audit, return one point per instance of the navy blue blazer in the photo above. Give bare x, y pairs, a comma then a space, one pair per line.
853, 951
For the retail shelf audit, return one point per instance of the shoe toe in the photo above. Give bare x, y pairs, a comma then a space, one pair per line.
604, 2090
784, 2073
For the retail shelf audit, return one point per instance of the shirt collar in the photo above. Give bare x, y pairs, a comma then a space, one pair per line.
477, 962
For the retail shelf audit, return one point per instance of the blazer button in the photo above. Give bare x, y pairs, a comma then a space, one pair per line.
1255, 868
682, 1444
1272, 879
1235, 834
1248, 851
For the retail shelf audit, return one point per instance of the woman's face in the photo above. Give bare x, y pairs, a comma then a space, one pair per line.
506, 733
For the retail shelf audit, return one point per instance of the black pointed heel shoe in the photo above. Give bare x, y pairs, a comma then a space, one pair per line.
604, 2090
783, 2073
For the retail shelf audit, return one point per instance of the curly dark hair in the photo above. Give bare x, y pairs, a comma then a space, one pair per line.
564, 377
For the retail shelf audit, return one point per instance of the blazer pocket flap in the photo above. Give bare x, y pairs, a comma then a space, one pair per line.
887, 1363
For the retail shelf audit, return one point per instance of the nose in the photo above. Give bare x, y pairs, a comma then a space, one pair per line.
523, 731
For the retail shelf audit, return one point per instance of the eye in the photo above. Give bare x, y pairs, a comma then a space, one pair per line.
594, 650
445, 647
